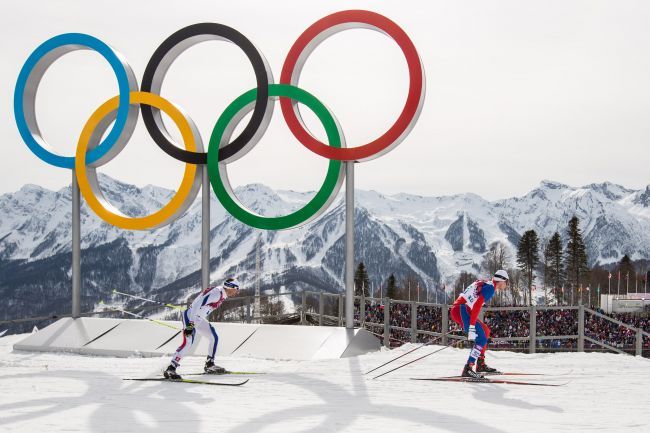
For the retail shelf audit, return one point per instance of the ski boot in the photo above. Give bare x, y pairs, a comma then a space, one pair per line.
210, 368
482, 367
170, 373
470, 374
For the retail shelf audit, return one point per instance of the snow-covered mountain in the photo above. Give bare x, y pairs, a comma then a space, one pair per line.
429, 238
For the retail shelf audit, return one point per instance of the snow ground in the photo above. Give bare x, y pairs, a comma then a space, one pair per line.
56, 392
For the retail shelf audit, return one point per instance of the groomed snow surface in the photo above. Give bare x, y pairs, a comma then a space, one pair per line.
53, 392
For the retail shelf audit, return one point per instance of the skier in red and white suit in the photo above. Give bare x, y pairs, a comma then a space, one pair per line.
465, 312
195, 318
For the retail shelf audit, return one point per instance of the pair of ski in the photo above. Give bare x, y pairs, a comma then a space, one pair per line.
199, 382
486, 379
459, 378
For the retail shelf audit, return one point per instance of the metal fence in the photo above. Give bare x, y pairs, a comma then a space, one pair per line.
590, 329
585, 338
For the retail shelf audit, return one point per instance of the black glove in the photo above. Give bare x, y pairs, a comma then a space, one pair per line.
189, 329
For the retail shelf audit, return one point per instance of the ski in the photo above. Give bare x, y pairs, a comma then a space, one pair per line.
483, 374
3, 333
199, 382
486, 380
526, 374
222, 374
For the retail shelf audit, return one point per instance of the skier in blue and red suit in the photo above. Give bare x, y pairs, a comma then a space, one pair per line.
195, 318
465, 312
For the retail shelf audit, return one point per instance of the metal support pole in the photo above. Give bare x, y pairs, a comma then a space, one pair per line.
341, 304
581, 328
76, 248
581, 290
205, 228
303, 313
533, 329
387, 322
320, 309
362, 310
414, 322
445, 323
248, 310
256, 310
639, 342
349, 244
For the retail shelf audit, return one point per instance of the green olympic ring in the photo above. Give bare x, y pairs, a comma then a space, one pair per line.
220, 137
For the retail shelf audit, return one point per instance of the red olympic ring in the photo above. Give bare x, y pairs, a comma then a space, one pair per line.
298, 54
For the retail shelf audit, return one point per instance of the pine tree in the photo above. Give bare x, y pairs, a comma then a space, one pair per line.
391, 287
577, 271
361, 281
628, 273
554, 270
528, 259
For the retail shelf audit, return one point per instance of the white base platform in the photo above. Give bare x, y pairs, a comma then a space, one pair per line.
125, 337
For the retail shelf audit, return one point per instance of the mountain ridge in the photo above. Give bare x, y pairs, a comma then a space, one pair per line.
429, 238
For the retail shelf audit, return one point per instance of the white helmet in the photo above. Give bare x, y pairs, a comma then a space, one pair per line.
231, 283
500, 275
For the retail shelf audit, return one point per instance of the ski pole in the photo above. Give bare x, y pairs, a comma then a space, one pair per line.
147, 318
417, 359
404, 354
176, 307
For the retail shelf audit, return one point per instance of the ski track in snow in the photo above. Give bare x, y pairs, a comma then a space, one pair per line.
65, 392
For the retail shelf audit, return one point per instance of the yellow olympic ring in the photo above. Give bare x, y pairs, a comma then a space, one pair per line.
87, 177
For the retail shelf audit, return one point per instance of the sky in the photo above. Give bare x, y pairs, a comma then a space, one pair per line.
517, 91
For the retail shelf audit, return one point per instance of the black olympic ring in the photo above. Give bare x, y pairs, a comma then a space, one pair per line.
157, 68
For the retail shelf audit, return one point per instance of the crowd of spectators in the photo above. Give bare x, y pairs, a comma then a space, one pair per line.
515, 324
557, 322
615, 335
635, 320
508, 323
429, 318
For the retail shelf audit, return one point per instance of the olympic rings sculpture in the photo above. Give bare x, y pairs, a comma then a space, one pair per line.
122, 112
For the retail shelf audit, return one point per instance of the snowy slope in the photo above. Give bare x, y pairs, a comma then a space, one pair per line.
62, 392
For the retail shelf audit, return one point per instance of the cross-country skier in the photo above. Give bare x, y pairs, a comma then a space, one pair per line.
465, 312
195, 318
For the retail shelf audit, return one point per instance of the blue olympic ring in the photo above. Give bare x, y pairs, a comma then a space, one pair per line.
57, 43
